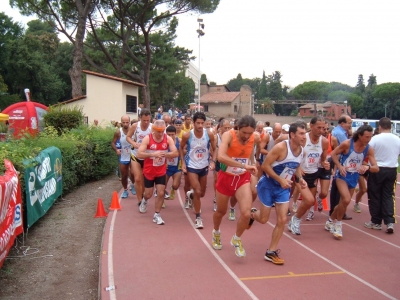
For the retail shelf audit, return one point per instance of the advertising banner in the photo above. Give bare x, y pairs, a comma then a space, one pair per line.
43, 183
10, 209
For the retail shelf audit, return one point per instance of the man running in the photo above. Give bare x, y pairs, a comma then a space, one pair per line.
135, 136
196, 162
173, 165
154, 149
282, 162
236, 157
124, 153
349, 167
315, 153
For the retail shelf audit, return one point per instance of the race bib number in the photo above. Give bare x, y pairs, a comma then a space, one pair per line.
126, 153
158, 161
236, 170
172, 161
287, 173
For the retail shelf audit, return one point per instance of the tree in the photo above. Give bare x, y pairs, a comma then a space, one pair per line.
263, 89
203, 79
133, 23
388, 92
185, 90
235, 84
360, 87
311, 90
68, 17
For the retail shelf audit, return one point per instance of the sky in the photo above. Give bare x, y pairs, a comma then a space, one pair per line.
306, 40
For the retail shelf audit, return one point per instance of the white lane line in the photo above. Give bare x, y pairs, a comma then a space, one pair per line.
365, 204
113, 296
337, 266
213, 252
373, 236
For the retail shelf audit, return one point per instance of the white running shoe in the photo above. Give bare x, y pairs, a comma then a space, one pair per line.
232, 215
216, 240
198, 223
329, 226
239, 250
294, 226
337, 231
320, 206
143, 206
310, 216
189, 196
186, 206
157, 219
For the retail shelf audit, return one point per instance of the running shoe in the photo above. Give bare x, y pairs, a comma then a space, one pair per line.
237, 243
186, 206
163, 205
143, 206
215, 204
337, 231
329, 226
294, 225
172, 194
390, 228
133, 191
252, 211
310, 216
216, 240
371, 225
294, 207
319, 202
155, 193
166, 195
125, 194
189, 196
198, 223
157, 219
273, 257
232, 216
357, 208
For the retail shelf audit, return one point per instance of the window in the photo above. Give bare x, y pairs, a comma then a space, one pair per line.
131, 104
235, 108
305, 110
205, 108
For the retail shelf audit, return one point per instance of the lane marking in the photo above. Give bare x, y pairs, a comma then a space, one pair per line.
113, 295
291, 274
337, 266
213, 252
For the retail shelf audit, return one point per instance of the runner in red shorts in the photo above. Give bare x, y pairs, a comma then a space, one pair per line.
236, 156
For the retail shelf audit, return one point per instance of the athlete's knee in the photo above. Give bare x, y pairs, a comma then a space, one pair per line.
323, 195
161, 193
245, 214
281, 221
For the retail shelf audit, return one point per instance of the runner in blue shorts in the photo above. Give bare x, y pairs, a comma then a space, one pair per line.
281, 163
173, 165
349, 167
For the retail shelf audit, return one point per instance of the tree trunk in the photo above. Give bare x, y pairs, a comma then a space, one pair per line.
76, 71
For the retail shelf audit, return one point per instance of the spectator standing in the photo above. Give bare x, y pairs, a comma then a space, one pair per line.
382, 185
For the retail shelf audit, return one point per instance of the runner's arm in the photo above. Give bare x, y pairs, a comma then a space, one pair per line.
373, 166
129, 135
141, 153
263, 143
117, 135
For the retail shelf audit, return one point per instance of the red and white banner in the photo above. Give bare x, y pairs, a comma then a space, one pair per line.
10, 209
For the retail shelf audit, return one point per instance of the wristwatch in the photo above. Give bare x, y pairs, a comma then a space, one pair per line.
297, 179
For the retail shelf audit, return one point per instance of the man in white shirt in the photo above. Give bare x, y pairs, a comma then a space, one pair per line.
382, 185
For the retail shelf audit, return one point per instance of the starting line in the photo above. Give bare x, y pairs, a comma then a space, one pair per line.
291, 275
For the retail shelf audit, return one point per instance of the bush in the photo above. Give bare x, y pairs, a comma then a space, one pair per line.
64, 118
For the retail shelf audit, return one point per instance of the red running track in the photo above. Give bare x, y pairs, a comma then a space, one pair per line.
142, 260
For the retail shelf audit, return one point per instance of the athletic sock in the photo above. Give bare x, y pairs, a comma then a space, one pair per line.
197, 216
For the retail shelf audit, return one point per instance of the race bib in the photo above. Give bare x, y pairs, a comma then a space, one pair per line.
172, 161
126, 153
287, 173
236, 170
158, 161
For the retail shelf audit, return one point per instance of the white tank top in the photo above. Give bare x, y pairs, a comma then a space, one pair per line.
286, 167
198, 151
139, 135
313, 155
125, 147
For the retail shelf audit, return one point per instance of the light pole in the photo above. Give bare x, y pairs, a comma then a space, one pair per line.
200, 33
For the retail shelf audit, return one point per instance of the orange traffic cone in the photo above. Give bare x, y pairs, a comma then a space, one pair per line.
325, 204
115, 202
101, 213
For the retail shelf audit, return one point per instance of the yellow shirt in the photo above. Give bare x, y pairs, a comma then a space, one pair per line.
184, 129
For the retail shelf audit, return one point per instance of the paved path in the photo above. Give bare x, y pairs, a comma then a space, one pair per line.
142, 260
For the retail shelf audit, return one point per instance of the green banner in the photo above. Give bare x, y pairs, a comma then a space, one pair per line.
43, 183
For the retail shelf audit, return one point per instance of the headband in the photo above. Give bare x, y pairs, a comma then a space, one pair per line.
159, 129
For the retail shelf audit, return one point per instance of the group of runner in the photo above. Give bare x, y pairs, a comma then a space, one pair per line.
249, 162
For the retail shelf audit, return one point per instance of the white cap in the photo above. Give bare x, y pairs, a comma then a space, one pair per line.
286, 127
